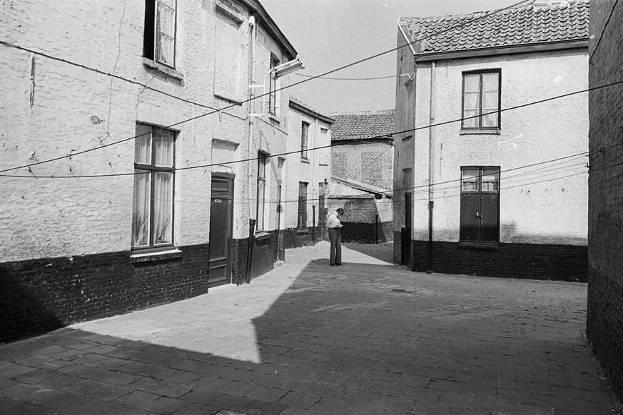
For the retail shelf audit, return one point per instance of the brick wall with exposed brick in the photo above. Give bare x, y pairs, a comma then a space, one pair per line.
605, 233
369, 162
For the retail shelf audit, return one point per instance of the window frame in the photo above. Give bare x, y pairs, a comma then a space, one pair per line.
302, 207
272, 86
152, 168
479, 191
151, 46
262, 159
305, 140
480, 92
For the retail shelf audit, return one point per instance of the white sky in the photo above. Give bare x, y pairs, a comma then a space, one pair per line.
331, 33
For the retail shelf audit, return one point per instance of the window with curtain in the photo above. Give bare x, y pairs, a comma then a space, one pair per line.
154, 168
481, 100
261, 190
159, 34
304, 139
302, 211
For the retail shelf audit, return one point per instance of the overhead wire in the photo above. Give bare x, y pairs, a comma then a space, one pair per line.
370, 57
552, 98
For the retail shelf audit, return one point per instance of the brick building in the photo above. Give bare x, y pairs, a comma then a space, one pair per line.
605, 189
307, 174
148, 220
466, 200
362, 157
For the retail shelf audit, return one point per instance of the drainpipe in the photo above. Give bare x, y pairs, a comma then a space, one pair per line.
431, 203
314, 166
251, 110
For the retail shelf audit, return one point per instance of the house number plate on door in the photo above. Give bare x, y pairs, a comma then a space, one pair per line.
217, 200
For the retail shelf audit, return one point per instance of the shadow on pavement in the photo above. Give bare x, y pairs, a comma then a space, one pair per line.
356, 339
382, 251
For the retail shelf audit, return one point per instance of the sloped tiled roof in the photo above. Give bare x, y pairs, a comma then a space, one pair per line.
358, 125
538, 22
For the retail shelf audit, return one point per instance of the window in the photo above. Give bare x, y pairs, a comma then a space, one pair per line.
154, 167
302, 216
159, 36
481, 100
480, 204
261, 189
272, 87
304, 139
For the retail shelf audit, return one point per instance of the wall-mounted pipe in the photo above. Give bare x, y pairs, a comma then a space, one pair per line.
431, 203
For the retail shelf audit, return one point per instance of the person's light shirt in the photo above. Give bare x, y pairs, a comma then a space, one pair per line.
333, 221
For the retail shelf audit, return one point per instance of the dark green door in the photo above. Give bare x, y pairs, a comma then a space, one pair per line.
221, 213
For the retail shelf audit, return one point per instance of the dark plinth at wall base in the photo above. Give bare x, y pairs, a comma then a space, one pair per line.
40, 295
263, 257
604, 325
295, 238
367, 232
515, 260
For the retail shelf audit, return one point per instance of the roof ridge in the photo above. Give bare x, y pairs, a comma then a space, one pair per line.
365, 112
540, 4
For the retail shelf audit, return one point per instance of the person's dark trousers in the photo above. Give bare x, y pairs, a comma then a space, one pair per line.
335, 256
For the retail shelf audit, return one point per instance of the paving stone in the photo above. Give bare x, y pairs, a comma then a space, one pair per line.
11, 370
306, 338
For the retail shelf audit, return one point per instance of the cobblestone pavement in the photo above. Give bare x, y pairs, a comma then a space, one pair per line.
364, 338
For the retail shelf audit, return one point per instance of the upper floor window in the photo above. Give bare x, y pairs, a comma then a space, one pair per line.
304, 140
154, 168
481, 99
159, 36
272, 87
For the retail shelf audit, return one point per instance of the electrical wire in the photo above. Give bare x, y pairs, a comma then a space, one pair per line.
328, 146
367, 58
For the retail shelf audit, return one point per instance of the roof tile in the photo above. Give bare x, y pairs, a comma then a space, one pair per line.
541, 21
362, 125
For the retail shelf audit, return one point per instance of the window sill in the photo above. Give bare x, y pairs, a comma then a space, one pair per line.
274, 119
153, 65
230, 100
479, 245
151, 256
261, 235
495, 131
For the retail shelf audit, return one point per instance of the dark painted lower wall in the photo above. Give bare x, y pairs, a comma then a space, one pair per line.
367, 232
264, 253
511, 260
44, 294
605, 325
294, 238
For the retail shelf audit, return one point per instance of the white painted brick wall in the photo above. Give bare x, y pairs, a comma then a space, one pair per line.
551, 212
63, 217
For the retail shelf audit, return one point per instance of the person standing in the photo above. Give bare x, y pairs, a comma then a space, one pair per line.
335, 237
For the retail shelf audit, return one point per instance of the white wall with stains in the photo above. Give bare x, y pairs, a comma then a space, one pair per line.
535, 206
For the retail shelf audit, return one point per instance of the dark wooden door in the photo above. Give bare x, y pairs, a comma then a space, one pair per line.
480, 217
470, 221
322, 217
406, 238
221, 213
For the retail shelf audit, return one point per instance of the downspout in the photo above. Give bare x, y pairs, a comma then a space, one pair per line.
251, 110
431, 203
315, 191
